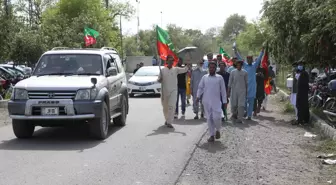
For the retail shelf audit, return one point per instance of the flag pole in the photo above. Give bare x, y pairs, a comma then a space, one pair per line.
158, 56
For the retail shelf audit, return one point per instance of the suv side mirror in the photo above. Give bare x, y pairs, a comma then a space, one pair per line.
112, 71
27, 71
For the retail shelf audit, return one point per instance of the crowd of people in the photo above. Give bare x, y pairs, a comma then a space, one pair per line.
241, 85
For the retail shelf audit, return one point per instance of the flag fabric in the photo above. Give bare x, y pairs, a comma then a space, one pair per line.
264, 64
90, 36
165, 46
223, 53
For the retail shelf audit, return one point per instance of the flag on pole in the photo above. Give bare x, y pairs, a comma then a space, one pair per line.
165, 46
264, 64
90, 36
222, 52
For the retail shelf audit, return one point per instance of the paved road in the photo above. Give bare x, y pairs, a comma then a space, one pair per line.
142, 152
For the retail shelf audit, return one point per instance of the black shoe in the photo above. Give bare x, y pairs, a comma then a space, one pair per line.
211, 139
196, 117
202, 115
218, 135
249, 118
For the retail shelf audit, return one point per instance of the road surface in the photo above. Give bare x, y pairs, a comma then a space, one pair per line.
142, 152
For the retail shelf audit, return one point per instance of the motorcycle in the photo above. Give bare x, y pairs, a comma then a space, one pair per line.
320, 94
330, 106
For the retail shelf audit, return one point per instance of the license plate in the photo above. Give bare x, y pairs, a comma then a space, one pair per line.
50, 111
142, 88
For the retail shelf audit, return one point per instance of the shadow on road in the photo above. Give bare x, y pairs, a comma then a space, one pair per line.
246, 124
146, 96
56, 139
214, 147
183, 121
165, 130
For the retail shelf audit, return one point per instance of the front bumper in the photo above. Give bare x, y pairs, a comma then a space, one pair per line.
149, 89
68, 109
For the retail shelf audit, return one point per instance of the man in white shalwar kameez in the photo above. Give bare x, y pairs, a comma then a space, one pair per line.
213, 93
168, 80
238, 91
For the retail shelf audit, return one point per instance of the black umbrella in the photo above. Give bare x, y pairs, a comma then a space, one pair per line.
190, 54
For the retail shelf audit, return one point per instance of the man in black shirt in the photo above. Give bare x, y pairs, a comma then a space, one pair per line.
181, 89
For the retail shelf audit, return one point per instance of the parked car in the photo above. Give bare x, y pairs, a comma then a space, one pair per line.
68, 86
144, 81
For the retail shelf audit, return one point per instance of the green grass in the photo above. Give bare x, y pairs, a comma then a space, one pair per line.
327, 146
288, 108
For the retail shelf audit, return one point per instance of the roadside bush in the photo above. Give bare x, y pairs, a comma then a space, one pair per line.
288, 108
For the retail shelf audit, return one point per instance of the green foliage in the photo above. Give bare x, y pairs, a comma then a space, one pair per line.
302, 28
38, 25
288, 108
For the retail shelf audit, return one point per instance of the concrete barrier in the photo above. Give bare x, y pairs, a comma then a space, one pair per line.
3, 104
324, 127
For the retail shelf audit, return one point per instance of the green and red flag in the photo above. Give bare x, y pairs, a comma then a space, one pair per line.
264, 64
90, 36
165, 46
222, 52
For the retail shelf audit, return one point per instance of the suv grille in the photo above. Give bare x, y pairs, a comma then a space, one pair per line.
51, 94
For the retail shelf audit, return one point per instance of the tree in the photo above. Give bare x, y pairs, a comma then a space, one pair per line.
233, 26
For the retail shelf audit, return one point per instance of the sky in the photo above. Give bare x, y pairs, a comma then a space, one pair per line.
193, 14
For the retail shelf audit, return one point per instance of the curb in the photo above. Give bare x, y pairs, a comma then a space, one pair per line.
324, 127
3, 104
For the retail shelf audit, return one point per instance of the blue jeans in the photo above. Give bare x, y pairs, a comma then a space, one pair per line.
182, 93
249, 106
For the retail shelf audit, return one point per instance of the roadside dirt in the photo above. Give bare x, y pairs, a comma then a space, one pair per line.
265, 151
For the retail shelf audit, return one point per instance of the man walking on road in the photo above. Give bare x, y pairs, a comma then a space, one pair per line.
196, 77
213, 92
168, 80
181, 89
226, 77
238, 90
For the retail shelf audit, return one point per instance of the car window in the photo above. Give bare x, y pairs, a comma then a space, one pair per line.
5, 74
76, 64
148, 71
14, 71
118, 61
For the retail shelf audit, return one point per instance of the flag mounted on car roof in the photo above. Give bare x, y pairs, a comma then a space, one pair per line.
165, 46
90, 36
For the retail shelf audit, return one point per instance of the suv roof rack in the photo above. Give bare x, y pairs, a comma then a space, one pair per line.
109, 48
59, 48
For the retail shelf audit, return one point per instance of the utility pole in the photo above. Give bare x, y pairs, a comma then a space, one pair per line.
121, 40
161, 19
138, 26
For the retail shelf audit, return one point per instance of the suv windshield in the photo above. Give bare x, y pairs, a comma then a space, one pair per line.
148, 71
69, 64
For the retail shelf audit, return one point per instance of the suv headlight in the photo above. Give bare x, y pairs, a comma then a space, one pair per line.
86, 94
19, 94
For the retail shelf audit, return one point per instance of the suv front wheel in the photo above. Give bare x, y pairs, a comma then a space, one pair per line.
23, 128
99, 126
121, 120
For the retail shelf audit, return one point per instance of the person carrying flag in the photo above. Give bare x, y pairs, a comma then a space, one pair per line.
168, 79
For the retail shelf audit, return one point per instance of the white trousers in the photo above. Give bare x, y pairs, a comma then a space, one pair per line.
264, 104
214, 121
169, 104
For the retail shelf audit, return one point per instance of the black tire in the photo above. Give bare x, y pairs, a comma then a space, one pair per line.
99, 127
23, 129
331, 107
131, 95
121, 120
